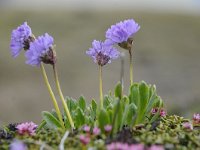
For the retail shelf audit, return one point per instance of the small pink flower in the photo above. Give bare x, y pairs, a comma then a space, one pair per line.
96, 131
26, 128
136, 147
84, 139
156, 147
196, 118
86, 128
187, 125
107, 128
17, 145
118, 146
162, 112
154, 111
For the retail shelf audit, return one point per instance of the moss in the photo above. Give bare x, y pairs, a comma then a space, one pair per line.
166, 131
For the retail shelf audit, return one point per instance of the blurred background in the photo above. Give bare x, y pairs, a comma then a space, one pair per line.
166, 52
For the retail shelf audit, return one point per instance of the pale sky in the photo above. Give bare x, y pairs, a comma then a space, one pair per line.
180, 6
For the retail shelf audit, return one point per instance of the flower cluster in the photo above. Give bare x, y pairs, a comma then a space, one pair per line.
155, 110
20, 39
85, 138
187, 126
37, 50
41, 50
17, 145
26, 128
102, 53
122, 33
196, 118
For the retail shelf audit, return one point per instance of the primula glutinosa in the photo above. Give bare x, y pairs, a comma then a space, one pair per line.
20, 39
41, 50
122, 34
102, 53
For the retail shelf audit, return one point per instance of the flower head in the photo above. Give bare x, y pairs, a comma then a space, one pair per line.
187, 126
41, 50
196, 118
17, 145
122, 33
162, 112
86, 128
96, 131
155, 110
102, 53
107, 128
26, 128
20, 39
84, 139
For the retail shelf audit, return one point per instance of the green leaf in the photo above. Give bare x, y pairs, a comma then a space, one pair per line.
134, 95
94, 105
118, 90
103, 119
72, 104
79, 117
132, 109
106, 102
82, 103
51, 121
144, 97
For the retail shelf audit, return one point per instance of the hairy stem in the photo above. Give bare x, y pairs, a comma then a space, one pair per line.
52, 95
62, 97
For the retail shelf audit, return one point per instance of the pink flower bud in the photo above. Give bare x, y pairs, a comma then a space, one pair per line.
96, 131
84, 139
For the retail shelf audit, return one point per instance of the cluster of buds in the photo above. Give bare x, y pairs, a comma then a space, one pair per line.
28, 128
196, 119
85, 139
162, 111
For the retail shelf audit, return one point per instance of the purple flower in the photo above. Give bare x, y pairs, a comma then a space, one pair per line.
162, 112
122, 33
17, 145
154, 111
84, 139
102, 53
86, 128
20, 39
107, 128
96, 131
26, 128
41, 50
187, 126
196, 118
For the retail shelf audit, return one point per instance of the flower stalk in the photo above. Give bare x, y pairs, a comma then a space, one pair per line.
62, 97
52, 95
100, 86
131, 66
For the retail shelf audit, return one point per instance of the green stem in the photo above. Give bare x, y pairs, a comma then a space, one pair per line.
100, 86
131, 66
62, 97
52, 95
